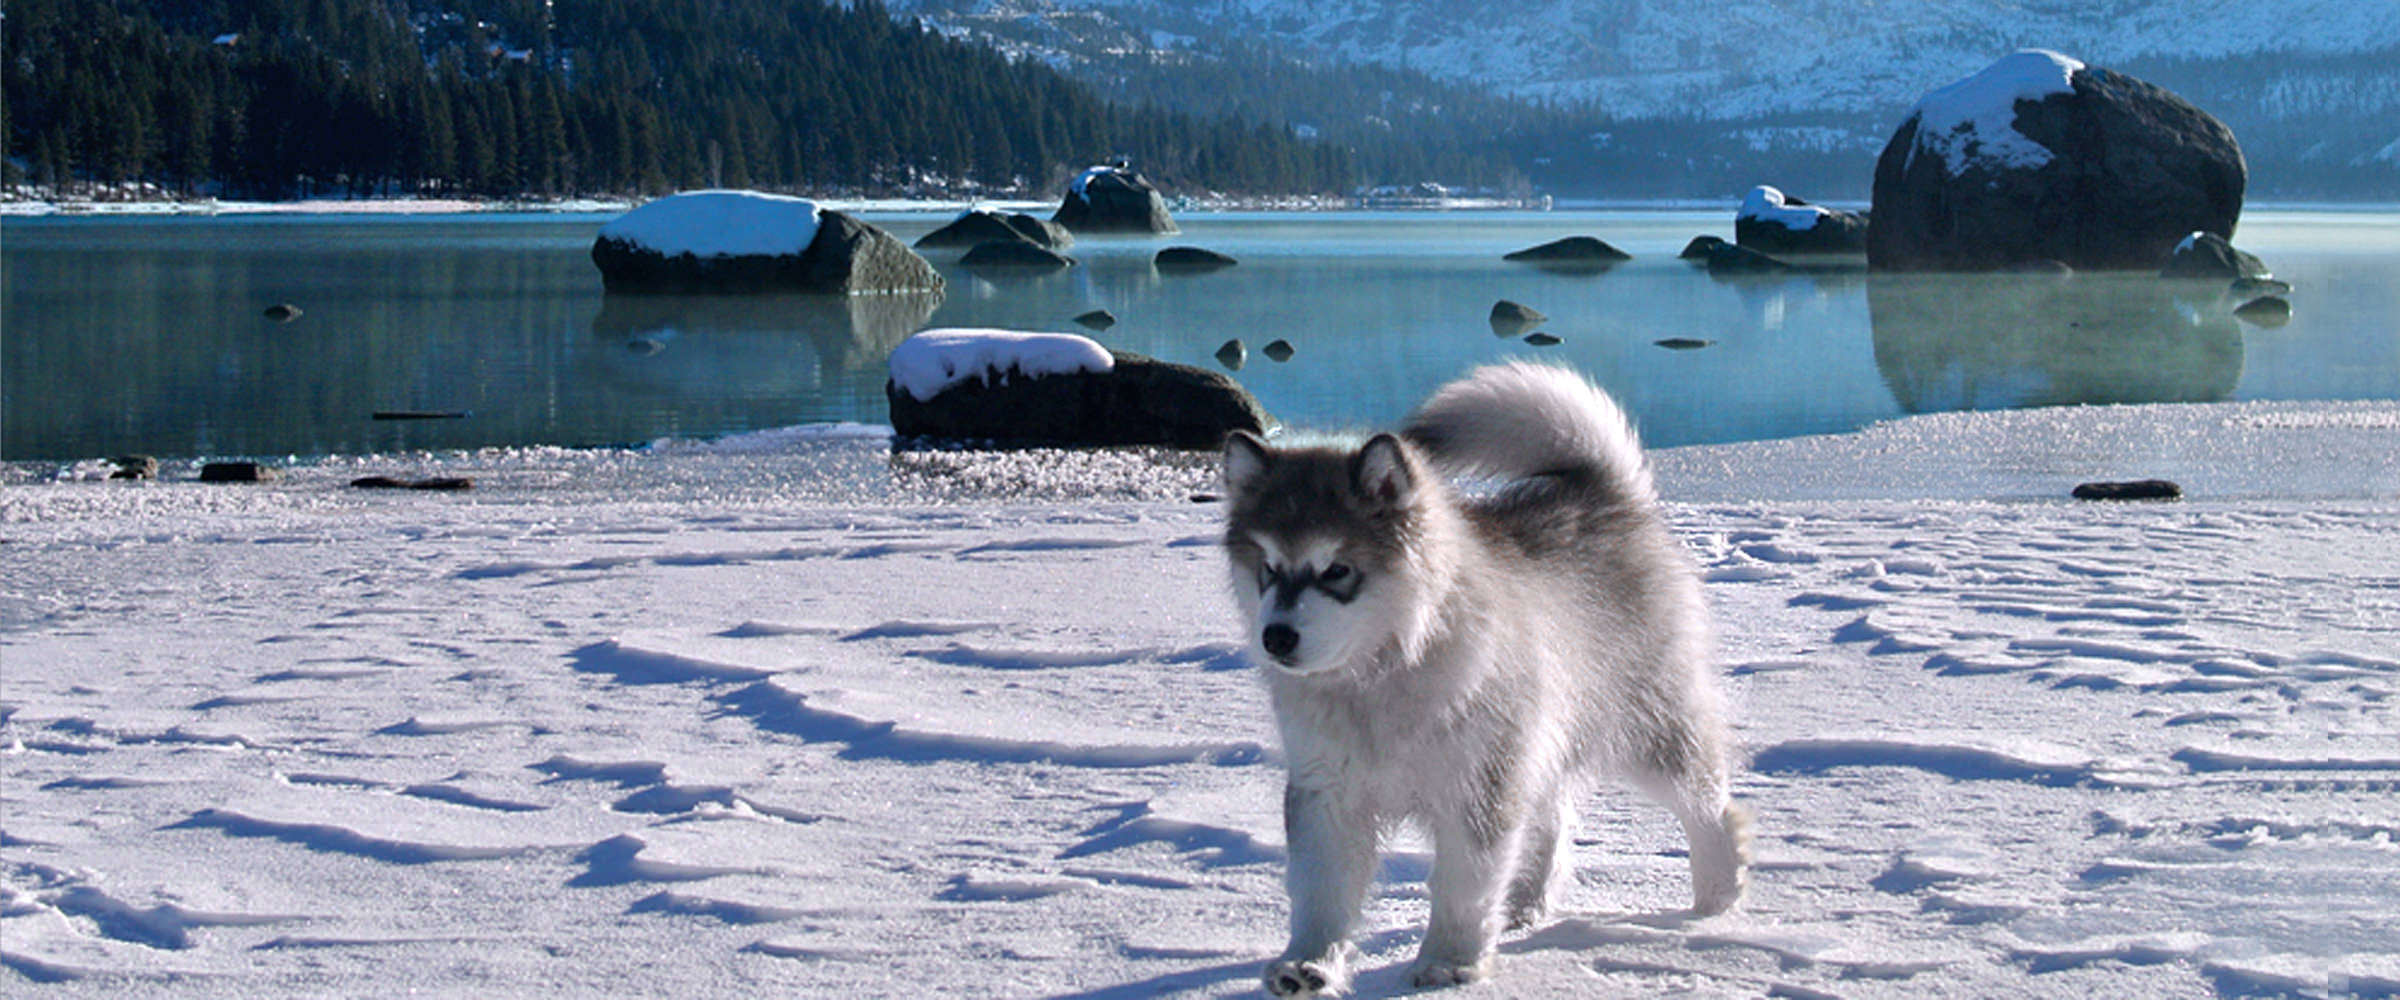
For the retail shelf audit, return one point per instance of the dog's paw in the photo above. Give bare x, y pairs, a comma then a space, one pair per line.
1431, 974
1311, 978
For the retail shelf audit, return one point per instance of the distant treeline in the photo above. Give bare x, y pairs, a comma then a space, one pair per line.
277, 98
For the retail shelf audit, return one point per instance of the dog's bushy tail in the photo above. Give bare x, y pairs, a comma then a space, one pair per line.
1521, 420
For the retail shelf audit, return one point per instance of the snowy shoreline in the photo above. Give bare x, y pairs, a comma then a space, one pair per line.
784, 713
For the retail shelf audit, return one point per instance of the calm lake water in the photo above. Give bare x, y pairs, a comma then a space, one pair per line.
146, 334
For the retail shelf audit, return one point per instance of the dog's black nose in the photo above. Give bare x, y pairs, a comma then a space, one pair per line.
1280, 640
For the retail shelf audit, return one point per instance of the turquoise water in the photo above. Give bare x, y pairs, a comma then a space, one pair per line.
146, 334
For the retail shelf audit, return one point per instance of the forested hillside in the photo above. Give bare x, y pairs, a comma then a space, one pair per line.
276, 98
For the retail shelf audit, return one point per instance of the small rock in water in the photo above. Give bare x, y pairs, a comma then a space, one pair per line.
1683, 343
1232, 354
283, 312
1097, 319
135, 467
1191, 259
1573, 253
1541, 339
2266, 310
2251, 287
1700, 247
236, 472
645, 346
1512, 318
2139, 489
430, 483
1277, 350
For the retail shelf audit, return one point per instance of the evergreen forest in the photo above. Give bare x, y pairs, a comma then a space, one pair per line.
529, 98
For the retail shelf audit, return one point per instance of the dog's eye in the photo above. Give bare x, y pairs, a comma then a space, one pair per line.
1266, 577
1334, 573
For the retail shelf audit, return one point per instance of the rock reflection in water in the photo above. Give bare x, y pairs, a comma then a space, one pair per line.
1999, 341
774, 342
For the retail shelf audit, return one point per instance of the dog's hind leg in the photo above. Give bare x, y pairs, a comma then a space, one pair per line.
1719, 831
1542, 862
1332, 857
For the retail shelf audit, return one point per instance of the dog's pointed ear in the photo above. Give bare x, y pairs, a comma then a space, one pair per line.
1382, 471
1246, 458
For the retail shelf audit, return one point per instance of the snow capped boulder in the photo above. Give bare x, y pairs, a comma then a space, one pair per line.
1019, 388
2040, 157
1113, 199
703, 242
983, 225
1771, 221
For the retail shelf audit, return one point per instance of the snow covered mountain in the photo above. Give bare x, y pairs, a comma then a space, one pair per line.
2285, 69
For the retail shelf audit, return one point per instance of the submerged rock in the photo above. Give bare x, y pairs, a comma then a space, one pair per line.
283, 312
1700, 247
1232, 354
1542, 339
2040, 157
1277, 350
1097, 319
1683, 343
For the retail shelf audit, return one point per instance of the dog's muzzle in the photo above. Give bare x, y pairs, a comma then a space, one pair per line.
1280, 640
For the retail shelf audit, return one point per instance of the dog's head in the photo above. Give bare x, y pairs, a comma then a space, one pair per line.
1318, 542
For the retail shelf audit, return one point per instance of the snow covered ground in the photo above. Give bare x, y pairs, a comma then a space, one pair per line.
787, 715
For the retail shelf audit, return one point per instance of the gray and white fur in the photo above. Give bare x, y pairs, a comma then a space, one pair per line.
1471, 663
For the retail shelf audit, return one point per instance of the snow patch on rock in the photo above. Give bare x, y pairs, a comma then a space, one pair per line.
1973, 121
1768, 204
719, 224
934, 360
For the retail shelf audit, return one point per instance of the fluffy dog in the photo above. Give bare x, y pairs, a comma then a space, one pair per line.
1470, 662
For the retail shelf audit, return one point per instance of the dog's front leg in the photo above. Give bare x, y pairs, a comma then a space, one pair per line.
1332, 846
1474, 859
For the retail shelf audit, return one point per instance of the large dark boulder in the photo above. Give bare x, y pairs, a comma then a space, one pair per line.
717, 242
1773, 222
983, 225
1139, 400
1113, 199
2041, 158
